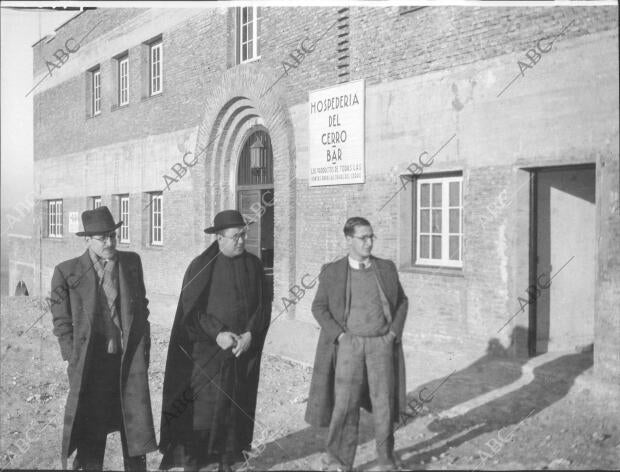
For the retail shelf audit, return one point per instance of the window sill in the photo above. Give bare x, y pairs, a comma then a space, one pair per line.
433, 270
249, 61
151, 97
154, 247
53, 238
119, 107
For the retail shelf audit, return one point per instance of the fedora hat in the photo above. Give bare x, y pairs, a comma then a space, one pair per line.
98, 221
226, 219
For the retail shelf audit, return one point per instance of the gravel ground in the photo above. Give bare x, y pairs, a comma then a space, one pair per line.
547, 423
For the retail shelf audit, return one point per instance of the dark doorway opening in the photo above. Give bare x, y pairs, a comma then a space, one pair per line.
562, 259
21, 290
255, 199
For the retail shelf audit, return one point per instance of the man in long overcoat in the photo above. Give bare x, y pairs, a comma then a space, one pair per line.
212, 370
361, 308
99, 310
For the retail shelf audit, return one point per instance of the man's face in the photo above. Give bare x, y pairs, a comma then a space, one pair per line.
360, 244
232, 241
103, 245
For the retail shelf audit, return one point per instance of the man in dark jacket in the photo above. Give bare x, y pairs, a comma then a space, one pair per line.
99, 309
361, 308
212, 370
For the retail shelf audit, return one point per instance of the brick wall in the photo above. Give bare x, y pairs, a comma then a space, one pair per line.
430, 74
607, 320
385, 45
191, 63
556, 115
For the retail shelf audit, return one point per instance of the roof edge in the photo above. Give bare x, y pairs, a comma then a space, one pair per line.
82, 10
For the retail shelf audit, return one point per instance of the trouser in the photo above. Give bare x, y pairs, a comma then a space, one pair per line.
193, 454
90, 455
362, 362
101, 411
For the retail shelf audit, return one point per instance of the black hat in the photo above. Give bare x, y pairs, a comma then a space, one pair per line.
226, 219
98, 221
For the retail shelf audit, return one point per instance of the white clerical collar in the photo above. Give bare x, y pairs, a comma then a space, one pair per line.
354, 264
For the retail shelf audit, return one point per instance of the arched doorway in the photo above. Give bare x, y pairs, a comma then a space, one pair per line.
255, 191
235, 108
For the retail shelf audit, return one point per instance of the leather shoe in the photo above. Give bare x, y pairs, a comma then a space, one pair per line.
330, 463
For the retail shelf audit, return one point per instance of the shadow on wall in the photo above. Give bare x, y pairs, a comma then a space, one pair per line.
494, 370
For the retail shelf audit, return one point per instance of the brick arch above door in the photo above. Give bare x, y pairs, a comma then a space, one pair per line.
235, 108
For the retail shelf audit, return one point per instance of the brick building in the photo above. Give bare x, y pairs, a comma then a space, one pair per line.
490, 159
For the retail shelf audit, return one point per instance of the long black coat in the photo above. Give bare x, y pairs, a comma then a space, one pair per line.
73, 304
178, 406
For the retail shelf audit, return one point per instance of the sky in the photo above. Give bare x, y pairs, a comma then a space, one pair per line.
20, 30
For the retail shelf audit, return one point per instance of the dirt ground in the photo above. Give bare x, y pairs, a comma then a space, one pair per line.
478, 419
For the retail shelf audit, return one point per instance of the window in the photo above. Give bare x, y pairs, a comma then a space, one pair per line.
248, 34
95, 202
156, 65
439, 221
257, 169
123, 81
96, 91
54, 218
123, 211
156, 219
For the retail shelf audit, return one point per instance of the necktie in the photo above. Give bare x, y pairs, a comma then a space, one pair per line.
108, 283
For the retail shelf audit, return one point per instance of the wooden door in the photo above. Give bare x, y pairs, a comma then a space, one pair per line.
247, 198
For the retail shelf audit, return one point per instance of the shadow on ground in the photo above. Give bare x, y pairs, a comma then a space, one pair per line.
494, 370
507, 410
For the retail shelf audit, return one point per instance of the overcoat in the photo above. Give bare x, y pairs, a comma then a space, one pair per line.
73, 304
329, 307
178, 406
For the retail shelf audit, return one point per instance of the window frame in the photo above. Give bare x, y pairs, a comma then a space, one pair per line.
256, 34
95, 91
444, 233
123, 215
156, 210
156, 46
95, 202
54, 218
120, 75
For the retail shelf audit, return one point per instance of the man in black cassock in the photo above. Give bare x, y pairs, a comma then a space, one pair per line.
212, 370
